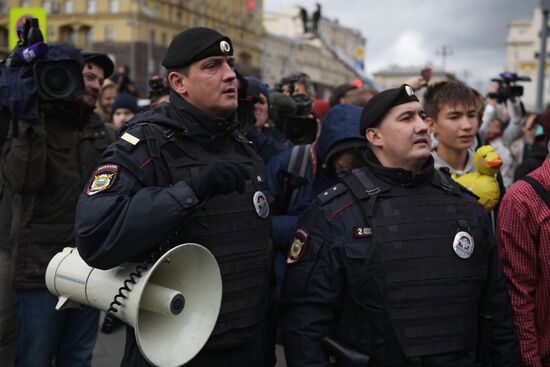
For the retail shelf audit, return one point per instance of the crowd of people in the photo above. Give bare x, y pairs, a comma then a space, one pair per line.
371, 253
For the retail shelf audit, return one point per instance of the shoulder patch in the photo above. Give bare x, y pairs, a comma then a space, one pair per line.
332, 193
102, 179
298, 246
130, 138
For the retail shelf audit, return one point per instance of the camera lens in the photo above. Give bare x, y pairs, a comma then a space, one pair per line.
59, 79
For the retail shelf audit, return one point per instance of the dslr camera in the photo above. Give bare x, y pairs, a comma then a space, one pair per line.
34, 73
507, 87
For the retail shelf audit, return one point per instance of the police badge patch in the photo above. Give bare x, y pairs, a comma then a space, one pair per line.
298, 247
103, 178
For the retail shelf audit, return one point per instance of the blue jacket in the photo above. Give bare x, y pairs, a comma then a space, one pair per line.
340, 124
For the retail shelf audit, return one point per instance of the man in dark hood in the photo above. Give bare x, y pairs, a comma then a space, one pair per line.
338, 148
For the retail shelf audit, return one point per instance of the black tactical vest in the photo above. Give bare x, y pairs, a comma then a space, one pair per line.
410, 288
230, 228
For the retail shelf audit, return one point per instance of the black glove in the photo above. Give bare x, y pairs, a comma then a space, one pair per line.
220, 178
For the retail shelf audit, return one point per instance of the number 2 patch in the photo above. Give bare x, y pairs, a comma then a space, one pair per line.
362, 231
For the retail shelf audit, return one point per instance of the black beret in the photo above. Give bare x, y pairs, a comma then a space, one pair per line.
380, 104
101, 60
195, 44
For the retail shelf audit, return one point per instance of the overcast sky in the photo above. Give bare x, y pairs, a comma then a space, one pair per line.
410, 33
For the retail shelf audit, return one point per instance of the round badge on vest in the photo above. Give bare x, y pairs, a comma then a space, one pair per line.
260, 204
463, 245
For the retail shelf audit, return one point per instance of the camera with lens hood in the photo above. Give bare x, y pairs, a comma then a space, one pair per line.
35, 73
507, 87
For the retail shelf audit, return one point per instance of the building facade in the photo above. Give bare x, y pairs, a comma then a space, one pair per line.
394, 76
522, 52
138, 32
288, 50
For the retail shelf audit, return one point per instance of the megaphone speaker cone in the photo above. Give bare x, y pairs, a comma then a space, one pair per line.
173, 306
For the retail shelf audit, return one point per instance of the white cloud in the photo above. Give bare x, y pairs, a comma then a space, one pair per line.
407, 50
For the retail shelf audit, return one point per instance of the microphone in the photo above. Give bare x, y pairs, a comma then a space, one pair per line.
31, 53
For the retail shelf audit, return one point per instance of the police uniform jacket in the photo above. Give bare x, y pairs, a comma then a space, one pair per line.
138, 197
387, 278
44, 168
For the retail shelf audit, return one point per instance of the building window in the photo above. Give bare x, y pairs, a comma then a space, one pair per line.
47, 5
68, 6
109, 33
88, 38
164, 39
24, 3
90, 6
71, 36
113, 6
51, 31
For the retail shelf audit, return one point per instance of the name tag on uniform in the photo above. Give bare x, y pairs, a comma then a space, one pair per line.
362, 231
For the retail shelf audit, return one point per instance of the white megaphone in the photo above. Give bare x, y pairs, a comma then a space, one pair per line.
172, 307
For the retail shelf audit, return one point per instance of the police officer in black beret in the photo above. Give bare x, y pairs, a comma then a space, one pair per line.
396, 264
182, 172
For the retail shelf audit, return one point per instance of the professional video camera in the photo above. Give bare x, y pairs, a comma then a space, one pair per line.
290, 109
34, 73
301, 128
507, 87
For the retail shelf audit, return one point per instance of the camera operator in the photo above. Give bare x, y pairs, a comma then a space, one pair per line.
159, 91
44, 166
500, 99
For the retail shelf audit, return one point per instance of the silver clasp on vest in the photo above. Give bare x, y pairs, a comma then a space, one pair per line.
373, 191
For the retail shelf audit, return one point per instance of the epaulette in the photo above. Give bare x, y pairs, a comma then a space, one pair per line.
332, 193
130, 138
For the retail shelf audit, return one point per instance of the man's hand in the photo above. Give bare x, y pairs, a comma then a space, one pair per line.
220, 178
416, 82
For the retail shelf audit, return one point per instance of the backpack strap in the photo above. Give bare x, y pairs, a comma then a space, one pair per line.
296, 172
537, 186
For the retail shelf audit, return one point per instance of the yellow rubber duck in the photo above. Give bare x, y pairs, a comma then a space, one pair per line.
483, 182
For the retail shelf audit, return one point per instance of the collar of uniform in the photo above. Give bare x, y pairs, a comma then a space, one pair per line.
200, 123
399, 176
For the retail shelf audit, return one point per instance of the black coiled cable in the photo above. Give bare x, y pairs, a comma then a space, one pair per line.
133, 277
